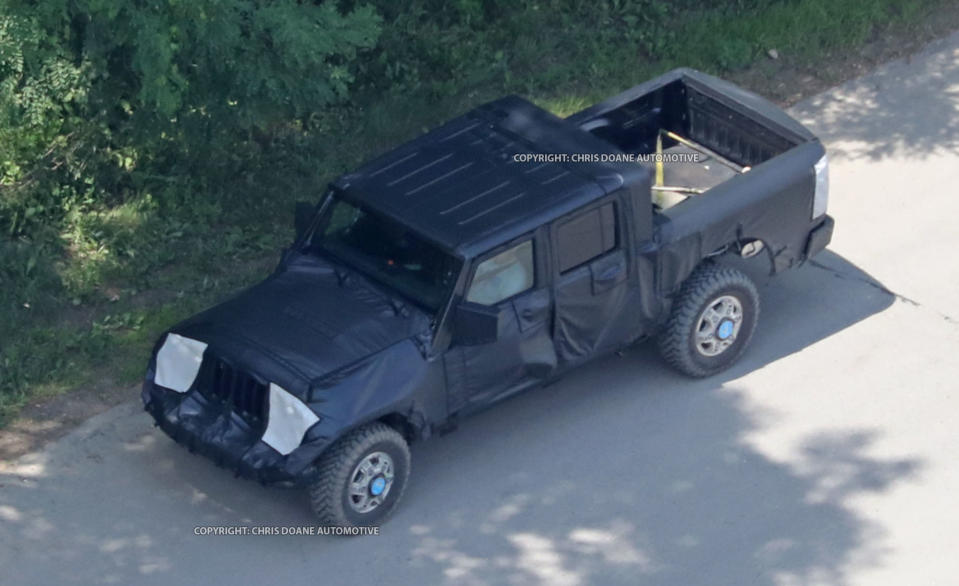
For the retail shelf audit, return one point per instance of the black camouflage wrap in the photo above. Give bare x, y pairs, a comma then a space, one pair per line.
354, 351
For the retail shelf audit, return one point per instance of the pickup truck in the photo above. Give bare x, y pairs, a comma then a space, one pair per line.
488, 256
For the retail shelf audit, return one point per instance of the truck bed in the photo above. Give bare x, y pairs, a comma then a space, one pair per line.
759, 185
729, 129
686, 179
717, 115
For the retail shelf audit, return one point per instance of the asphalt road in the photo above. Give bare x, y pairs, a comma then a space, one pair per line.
827, 456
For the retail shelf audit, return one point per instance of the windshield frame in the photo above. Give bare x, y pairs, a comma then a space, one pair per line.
321, 220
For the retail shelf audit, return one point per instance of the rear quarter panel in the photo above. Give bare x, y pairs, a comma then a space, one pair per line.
772, 202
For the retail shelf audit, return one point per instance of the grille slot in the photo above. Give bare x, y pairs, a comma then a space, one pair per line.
239, 391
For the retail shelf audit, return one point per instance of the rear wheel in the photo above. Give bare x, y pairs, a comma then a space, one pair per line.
361, 477
711, 322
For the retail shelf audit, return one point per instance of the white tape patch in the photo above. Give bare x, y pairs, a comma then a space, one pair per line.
178, 362
289, 420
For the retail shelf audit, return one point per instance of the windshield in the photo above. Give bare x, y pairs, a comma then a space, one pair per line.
387, 252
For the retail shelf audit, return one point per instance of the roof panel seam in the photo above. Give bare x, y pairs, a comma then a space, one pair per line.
419, 170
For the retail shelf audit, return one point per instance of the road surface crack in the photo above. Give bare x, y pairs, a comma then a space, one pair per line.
877, 285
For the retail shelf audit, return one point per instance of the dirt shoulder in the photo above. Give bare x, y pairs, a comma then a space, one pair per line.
51, 418
781, 80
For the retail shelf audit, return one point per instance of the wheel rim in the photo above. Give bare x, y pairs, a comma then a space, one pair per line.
370, 482
718, 325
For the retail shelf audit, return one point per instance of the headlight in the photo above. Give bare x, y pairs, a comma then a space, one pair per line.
178, 362
821, 197
289, 420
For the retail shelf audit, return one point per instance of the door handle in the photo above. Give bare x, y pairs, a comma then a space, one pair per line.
610, 273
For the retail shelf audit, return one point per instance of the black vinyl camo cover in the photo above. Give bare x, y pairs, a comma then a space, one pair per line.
345, 348
263, 382
772, 202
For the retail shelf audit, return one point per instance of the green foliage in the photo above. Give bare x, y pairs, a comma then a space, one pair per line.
126, 130
41, 90
103, 99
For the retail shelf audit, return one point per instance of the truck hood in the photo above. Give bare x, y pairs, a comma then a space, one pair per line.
305, 321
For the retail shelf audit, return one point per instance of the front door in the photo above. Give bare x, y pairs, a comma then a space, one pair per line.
509, 282
590, 268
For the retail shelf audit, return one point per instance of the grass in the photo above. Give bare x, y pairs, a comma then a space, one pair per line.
82, 304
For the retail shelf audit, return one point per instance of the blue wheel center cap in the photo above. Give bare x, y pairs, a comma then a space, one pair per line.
724, 330
377, 486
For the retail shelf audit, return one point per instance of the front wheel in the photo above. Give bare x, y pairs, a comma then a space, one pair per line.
361, 477
711, 322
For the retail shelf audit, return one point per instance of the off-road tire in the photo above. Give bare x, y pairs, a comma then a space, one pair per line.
329, 494
677, 342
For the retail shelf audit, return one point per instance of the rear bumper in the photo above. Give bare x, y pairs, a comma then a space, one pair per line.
819, 237
225, 438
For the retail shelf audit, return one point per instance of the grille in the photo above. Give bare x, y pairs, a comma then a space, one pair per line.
238, 391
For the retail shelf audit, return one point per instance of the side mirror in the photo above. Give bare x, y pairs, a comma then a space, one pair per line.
303, 216
475, 324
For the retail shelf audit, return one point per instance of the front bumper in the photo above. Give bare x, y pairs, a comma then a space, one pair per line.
204, 426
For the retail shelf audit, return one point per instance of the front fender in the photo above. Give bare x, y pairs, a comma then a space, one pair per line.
396, 380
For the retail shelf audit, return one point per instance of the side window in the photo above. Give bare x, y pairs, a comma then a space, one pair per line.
585, 237
502, 276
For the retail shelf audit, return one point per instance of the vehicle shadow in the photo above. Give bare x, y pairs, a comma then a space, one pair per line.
621, 473
627, 473
802, 306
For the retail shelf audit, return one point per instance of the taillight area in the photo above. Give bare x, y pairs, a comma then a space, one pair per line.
821, 197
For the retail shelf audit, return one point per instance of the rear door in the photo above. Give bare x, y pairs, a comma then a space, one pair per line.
590, 273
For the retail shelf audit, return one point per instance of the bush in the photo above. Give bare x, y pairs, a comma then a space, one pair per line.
101, 100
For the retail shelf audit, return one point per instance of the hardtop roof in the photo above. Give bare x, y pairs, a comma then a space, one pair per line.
459, 185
